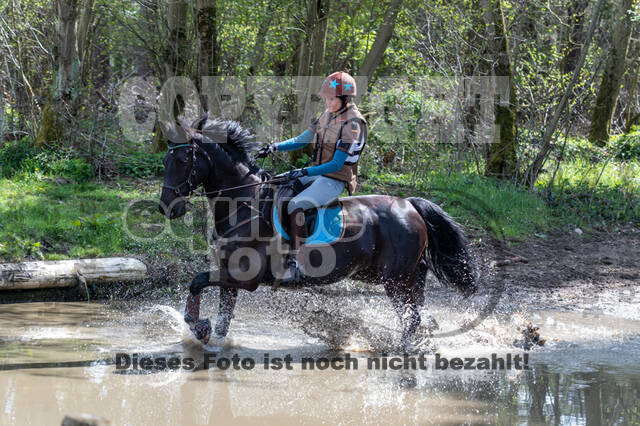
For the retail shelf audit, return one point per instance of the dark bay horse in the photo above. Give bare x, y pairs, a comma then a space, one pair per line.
385, 240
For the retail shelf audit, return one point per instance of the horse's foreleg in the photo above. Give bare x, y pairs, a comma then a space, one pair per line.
406, 309
192, 309
228, 298
201, 328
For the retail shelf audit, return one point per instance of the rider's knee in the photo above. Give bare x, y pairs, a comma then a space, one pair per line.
299, 204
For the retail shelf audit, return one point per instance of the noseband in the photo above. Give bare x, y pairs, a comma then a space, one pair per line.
194, 147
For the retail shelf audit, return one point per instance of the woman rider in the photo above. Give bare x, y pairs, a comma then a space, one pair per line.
338, 135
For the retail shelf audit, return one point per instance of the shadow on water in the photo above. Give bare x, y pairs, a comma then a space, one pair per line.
604, 395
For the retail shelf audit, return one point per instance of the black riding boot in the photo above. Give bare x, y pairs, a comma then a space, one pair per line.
296, 220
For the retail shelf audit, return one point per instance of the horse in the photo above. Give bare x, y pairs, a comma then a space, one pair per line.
385, 240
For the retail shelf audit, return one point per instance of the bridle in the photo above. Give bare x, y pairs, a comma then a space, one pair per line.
194, 148
191, 187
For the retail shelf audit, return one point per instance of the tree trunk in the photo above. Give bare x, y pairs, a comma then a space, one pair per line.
178, 48
146, 61
206, 24
100, 73
576, 33
502, 158
258, 48
68, 55
534, 169
50, 130
374, 57
628, 122
312, 51
319, 37
83, 35
611, 77
175, 59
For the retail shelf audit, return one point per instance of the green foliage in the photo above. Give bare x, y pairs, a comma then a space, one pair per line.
24, 156
95, 222
13, 154
76, 169
627, 145
14, 248
478, 203
141, 165
589, 206
302, 161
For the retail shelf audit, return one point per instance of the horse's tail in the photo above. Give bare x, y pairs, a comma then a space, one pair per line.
446, 246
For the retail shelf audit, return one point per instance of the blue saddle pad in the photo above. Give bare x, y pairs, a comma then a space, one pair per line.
326, 229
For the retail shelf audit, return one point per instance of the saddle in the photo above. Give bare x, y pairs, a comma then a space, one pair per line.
323, 225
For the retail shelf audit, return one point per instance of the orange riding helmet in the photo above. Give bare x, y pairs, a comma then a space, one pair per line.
338, 84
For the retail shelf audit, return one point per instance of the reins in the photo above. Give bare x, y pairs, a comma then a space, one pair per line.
196, 147
191, 189
233, 188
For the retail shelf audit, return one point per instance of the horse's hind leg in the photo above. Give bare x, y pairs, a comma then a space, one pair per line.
406, 309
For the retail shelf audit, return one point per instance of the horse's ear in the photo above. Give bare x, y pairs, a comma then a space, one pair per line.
199, 122
173, 132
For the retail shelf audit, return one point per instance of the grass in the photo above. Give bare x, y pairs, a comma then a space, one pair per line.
598, 192
479, 204
42, 219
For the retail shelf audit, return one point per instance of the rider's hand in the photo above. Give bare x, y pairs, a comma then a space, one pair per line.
295, 174
266, 150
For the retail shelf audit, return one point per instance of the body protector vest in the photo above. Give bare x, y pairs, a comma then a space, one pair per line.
345, 131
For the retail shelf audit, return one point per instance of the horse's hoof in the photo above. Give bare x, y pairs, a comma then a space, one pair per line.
202, 330
217, 340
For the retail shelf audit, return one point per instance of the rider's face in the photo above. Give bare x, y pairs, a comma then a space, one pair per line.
333, 103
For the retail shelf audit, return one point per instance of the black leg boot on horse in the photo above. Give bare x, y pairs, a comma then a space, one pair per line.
297, 235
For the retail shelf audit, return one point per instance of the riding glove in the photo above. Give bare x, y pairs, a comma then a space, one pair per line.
296, 173
266, 150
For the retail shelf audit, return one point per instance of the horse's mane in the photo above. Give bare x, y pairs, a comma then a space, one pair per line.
240, 142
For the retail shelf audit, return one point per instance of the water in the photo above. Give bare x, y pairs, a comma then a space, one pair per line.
58, 359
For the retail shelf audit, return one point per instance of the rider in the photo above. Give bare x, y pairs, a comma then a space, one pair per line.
338, 135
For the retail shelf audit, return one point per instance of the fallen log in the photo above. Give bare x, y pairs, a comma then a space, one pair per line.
68, 273
85, 420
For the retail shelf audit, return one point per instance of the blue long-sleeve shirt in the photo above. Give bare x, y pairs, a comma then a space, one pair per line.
306, 137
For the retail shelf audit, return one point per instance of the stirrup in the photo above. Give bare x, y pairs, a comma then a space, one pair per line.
292, 274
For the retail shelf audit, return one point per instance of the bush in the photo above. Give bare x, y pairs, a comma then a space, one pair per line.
24, 156
60, 163
13, 154
627, 145
76, 169
141, 165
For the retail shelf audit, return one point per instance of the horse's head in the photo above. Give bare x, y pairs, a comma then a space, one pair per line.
214, 152
186, 166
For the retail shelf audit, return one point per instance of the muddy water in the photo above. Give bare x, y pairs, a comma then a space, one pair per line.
58, 358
